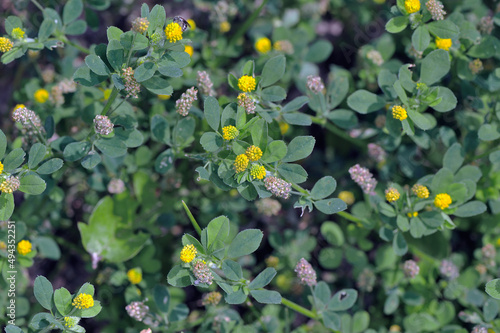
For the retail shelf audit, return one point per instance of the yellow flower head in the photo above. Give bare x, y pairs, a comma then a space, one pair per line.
412, 6
106, 94
83, 301
24, 247
164, 97
443, 43
5, 44
18, 33
391, 194
421, 85
41, 96
173, 31
395, 328
399, 112
230, 132
420, 191
70, 322
240, 163
189, 50
246, 83
134, 275
347, 197
3, 246
192, 23
272, 261
224, 27
412, 214
253, 153
188, 253
140, 25
258, 172
263, 45
1, 168
442, 201
284, 127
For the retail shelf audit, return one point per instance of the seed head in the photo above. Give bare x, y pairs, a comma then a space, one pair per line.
185, 103
278, 187
315, 84
305, 273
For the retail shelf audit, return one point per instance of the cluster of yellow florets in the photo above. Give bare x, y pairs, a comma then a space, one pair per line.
83, 301
70, 322
224, 26
258, 172
24, 247
442, 200
134, 275
347, 197
5, 44
1, 168
240, 163
188, 253
263, 45
412, 6
18, 33
443, 43
399, 112
420, 191
253, 153
173, 32
412, 214
230, 132
41, 96
391, 194
246, 83
189, 50
140, 25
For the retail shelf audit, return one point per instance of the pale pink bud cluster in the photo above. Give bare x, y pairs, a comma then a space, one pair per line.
489, 253
205, 84
376, 152
202, 273
479, 329
375, 57
116, 186
137, 310
411, 269
132, 87
67, 86
48, 74
103, 125
448, 269
268, 207
486, 25
56, 96
278, 187
315, 84
185, 103
27, 118
212, 298
366, 280
435, 7
476, 66
140, 25
364, 178
10, 184
246, 102
305, 273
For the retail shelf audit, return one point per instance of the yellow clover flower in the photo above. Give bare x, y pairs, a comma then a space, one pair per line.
412, 6
192, 23
442, 200
188, 253
70, 322
41, 96
83, 301
258, 172
24, 247
253, 153
5, 44
347, 197
284, 127
164, 97
420, 191
263, 45
18, 33
230, 132
241, 163
399, 112
1, 168
246, 83
224, 27
173, 32
412, 214
391, 194
443, 43
134, 275
189, 50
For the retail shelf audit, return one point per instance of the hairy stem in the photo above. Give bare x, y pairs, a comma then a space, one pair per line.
298, 308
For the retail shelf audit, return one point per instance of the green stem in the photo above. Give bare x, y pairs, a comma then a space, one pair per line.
191, 218
480, 156
248, 23
298, 308
75, 45
300, 189
338, 132
38, 5
111, 99
350, 217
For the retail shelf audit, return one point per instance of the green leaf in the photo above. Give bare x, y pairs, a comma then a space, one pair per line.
245, 242
490, 309
160, 131
164, 161
299, 148
183, 131
273, 94
145, 71
161, 297
421, 38
263, 279
50, 166
420, 120
217, 229
76, 28
391, 303
454, 158
112, 147
319, 51
443, 29
158, 86
46, 29
236, 297
36, 155
488, 132
115, 53
88, 78
93, 311
343, 118
396, 24
332, 233
295, 104
43, 291
399, 244
96, 65
32, 184
248, 68
363, 101
330, 206
273, 71
488, 47
72, 10
469, 209
266, 296
11, 23
323, 188
360, 321
448, 100
13, 329
156, 19
330, 258
331, 320
493, 288
211, 141
259, 132
343, 300
48, 248
274, 152
434, 67
63, 299
212, 112
13, 160
179, 277
3, 144
432, 219
293, 173
76, 150
232, 270
6, 206
114, 33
